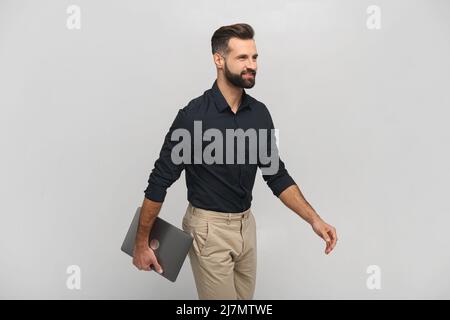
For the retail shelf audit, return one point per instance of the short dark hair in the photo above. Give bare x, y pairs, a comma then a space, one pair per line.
220, 38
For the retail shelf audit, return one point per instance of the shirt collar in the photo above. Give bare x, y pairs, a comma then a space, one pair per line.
221, 102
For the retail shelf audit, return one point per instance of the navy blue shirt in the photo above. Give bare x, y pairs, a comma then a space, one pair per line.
223, 186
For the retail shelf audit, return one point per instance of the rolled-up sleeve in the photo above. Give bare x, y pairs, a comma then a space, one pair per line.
280, 180
165, 171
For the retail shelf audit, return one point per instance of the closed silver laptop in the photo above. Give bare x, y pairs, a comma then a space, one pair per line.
170, 244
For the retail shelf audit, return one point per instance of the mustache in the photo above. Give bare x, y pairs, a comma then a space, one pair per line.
249, 71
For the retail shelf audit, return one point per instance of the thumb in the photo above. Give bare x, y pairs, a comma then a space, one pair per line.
157, 266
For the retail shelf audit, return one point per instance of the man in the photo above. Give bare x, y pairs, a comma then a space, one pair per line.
223, 255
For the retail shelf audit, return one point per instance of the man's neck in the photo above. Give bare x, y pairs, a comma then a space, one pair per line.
231, 93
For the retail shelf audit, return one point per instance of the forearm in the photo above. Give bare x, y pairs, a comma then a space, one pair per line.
293, 198
149, 211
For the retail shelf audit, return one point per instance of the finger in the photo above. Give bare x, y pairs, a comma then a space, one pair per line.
328, 248
335, 237
147, 268
157, 266
332, 233
327, 240
325, 236
140, 266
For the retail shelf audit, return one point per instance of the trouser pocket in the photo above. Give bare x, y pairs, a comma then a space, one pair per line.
200, 229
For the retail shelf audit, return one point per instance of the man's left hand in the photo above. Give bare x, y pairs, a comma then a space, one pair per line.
326, 232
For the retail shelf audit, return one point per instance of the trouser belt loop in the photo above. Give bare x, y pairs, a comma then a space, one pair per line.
229, 218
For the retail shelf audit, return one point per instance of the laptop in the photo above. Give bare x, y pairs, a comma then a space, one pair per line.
170, 244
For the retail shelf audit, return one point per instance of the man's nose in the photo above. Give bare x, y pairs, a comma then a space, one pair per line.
251, 65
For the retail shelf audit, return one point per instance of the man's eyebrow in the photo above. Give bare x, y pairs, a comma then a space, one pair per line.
245, 55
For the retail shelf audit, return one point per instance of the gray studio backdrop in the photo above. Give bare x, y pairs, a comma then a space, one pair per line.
362, 107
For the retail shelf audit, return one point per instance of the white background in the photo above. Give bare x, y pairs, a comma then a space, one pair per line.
362, 115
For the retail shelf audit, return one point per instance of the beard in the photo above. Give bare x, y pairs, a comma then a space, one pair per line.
240, 80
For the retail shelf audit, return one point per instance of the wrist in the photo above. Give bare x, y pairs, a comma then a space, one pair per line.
141, 245
314, 218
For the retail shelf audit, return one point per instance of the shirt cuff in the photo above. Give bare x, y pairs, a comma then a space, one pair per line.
281, 183
155, 193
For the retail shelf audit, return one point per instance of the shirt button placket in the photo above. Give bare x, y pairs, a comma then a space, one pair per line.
236, 126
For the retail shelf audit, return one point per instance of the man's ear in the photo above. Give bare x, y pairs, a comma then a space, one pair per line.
218, 60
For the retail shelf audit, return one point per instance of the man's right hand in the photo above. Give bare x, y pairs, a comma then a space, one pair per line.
144, 258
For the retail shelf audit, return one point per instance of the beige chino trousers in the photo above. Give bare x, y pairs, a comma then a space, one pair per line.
223, 254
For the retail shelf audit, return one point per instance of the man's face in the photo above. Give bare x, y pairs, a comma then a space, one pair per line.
240, 63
